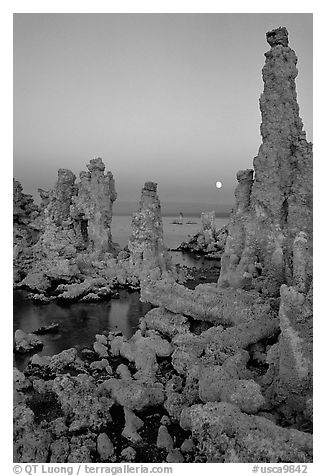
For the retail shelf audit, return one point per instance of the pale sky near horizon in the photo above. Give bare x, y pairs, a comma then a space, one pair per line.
171, 98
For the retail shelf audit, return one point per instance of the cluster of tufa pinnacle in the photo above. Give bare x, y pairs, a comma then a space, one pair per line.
230, 362
273, 201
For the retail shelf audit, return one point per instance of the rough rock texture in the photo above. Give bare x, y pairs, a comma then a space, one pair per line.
214, 364
133, 394
100, 349
216, 385
45, 198
58, 208
166, 322
61, 360
164, 439
91, 207
24, 208
175, 456
54, 253
187, 446
208, 241
274, 205
82, 402
206, 302
31, 442
75, 251
289, 379
260, 347
26, 342
105, 447
132, 424
128, 454
279, 36
72, 292
146, 246
25, 230
208, 223
269, 246
226, 435
143, 350
75, 233
230, 363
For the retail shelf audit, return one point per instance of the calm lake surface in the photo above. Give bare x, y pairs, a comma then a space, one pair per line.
80, 322
173, 234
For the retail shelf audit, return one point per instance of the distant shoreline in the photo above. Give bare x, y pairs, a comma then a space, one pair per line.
173, 215
188, 215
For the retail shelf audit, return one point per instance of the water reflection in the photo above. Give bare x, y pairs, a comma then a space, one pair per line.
78, 322
191, 260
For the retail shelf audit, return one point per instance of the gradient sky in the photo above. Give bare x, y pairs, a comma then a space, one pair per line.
171, 98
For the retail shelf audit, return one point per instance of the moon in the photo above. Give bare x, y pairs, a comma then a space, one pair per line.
218, 184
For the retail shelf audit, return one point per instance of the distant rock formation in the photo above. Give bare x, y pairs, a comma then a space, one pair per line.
76, 220
208, 223
208, 241
58, 208
146, 245
24, 208
55, 250
273, 201
44, 194
91, 207
25, 231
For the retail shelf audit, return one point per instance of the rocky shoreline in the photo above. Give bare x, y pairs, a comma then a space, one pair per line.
59, 266
154, 398
216, 372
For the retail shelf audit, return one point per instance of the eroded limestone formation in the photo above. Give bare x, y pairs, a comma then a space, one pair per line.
24, 208
269, 246
146, 245
273, 201
230, 363
25, 229
55, 252
289, 378
264, 293
91, 207
208, 223
208, 241
76, 233
229, 436
58, 208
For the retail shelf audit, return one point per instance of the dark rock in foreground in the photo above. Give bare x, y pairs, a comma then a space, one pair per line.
51, 328
226, 435
25, 343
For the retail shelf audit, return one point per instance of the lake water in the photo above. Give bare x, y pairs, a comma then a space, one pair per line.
80, 322
173, 234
